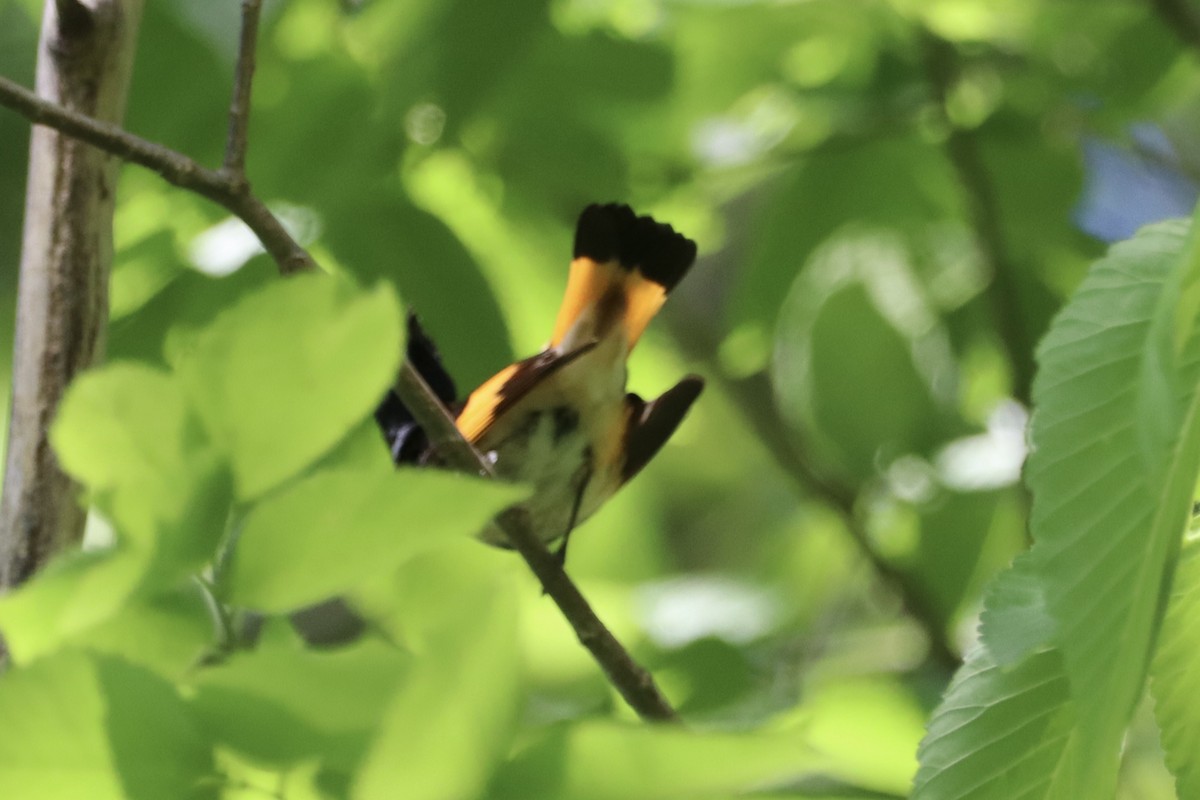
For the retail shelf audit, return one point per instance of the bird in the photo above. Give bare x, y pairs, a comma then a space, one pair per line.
562, 421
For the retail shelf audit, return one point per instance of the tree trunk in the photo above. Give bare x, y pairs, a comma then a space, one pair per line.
85, 59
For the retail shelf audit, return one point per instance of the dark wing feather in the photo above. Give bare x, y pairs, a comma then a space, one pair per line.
405, 439
651, 424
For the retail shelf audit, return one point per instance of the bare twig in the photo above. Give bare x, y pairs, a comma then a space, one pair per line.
631, 680
1182, 18
962, 150
174, 167
239, 106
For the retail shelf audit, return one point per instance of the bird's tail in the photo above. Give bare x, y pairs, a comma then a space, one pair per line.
623, 270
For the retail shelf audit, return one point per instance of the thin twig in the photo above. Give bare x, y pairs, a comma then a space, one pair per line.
172, 166
630, 679
753, 395
983, 211
239, 106
1181, 18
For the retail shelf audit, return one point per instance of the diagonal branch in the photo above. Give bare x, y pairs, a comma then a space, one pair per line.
633, 682
983, 212
239, 106
174, 167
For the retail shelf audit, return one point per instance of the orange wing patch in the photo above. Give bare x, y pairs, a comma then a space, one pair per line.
479, 413
509, 386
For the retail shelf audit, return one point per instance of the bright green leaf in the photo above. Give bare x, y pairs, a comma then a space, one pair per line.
1176, 674
80, 590
1107, 521
96, 727
870, 726
452, 718
281, 705
605, 760
335, 529
1000, 733
127, 433
168, 633
288, 371
72, 594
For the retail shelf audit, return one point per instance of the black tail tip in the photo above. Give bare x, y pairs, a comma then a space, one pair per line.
613, 232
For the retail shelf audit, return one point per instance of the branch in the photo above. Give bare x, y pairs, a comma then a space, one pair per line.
983, 210
172, 166
630, 679
1181, 18
753, 396
633, 682
85, 56
239, 107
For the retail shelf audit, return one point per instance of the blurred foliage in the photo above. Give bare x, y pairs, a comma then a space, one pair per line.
893, 199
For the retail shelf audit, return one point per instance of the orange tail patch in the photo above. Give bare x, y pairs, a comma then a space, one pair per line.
625, 266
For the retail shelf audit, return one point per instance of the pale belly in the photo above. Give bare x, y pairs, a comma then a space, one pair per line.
553, 450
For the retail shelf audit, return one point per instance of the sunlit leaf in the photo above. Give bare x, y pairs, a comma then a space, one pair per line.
335, 529
603, 760
127, 432
1108, 514
452, 718
281, 705
96, 727
1000, 732
1175, 674
289, 370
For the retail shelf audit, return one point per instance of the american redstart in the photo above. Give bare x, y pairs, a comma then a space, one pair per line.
561, 421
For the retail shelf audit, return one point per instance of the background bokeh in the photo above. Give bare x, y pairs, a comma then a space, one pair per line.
891, 197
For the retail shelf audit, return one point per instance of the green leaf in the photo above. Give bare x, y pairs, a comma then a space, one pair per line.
1015, 621
69, 596
166, 633
1000, 732
288, 371
126, 431
869, 726
81, 590
1039, 708
335, 529
1109, 509
96, 727
1176, 677
605, 760
453, 717
281, 705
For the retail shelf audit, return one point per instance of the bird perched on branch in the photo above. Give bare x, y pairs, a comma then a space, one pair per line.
561, 421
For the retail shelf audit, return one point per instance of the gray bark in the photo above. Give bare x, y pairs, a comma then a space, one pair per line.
85, 59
